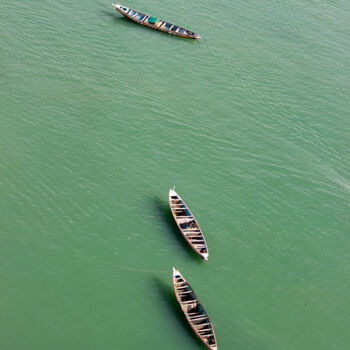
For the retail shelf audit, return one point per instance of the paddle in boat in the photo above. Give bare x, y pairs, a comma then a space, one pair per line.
193, 310
154, 22
188, 225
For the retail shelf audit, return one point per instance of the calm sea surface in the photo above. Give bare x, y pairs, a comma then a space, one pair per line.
101, 116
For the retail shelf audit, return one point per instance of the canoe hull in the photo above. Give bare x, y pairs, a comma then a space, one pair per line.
195, 315
161, 25
188, 225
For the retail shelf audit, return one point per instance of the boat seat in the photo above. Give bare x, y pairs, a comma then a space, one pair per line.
201, 324
184, 287
197, 317
185, 219
204, 330
194, 301
186, 292
180, 282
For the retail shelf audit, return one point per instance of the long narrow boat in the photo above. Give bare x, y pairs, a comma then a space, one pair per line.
154, 22
188, 225
193, 310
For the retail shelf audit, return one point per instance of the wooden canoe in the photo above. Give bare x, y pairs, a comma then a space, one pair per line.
154, 22
188, 225
193, 310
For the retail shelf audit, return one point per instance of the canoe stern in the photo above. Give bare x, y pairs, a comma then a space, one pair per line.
172, 193
176, 272
120, 8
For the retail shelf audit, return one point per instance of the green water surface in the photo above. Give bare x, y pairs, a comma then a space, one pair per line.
99, 117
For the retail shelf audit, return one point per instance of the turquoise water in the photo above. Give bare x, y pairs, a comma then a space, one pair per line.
101, 116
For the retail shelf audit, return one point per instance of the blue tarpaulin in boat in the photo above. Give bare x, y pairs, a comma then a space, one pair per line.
152, 20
